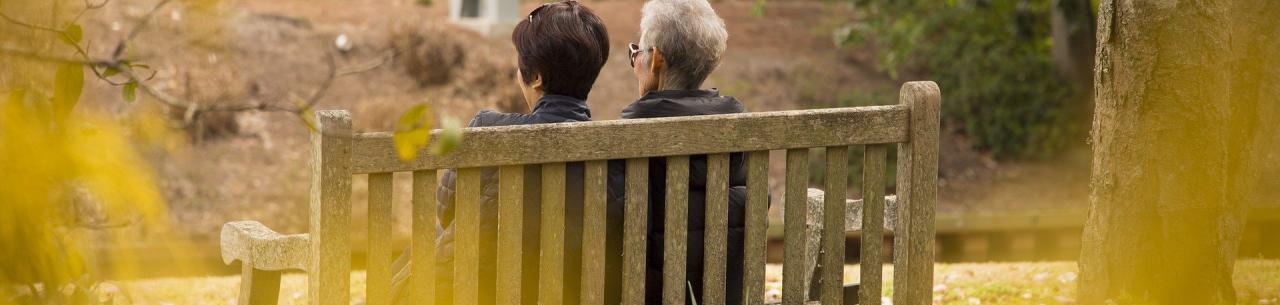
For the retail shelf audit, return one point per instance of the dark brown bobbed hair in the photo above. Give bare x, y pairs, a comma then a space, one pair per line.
566, 44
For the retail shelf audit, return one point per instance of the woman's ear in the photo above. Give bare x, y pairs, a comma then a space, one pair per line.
536, 83
656, 62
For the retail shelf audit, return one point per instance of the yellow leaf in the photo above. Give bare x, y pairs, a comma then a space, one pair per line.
413, 132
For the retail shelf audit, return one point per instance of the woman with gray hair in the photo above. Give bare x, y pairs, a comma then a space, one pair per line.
681, 43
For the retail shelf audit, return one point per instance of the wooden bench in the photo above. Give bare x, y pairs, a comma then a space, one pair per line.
324, 253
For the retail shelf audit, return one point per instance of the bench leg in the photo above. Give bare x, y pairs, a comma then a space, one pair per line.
259, 287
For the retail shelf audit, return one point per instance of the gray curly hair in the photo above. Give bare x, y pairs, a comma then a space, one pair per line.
690, 36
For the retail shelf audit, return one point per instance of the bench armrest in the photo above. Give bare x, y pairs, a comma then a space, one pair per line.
261, 248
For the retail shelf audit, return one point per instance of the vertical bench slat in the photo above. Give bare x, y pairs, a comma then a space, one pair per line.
423, 289
675, 231
793, 266
378, 260
330, 273
716, 230
837, 181
917, 192
551, 253
593, 238
634, 230
510, 234
466, 263
755, 241
872, 229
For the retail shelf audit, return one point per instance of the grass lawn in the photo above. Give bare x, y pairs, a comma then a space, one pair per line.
1257, 283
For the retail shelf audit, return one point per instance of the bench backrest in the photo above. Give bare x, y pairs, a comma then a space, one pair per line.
912, 125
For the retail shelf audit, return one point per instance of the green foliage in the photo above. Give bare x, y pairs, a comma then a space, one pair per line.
72, 34
129, 92
67, 86
450, 136
757, 8
991, 59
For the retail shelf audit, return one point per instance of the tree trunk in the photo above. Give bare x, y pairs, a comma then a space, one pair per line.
1187, 94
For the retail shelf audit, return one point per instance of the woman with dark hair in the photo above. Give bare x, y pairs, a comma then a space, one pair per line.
560, 49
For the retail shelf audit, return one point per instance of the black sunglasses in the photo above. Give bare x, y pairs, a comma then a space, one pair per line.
635, 50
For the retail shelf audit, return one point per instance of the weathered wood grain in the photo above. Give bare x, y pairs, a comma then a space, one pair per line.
873, 209
854, 214
593, 238
716, 230
423, 287
675, 231
466, 222
634, 230
378, 259
618, 139
510, 234
755, 239
793, 266
813, 220
330, 225
255, 245
551, 248
259, 287
837, 180
917, 193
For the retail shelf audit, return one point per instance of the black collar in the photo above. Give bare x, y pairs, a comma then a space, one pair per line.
679, 94
560, 104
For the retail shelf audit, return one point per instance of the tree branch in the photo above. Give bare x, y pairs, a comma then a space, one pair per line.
119, 64
17, 22
133, 33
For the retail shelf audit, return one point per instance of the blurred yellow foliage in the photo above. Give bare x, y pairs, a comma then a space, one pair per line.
72, 180
57, 180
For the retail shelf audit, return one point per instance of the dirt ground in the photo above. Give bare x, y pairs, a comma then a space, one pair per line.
1256, 282
254, 165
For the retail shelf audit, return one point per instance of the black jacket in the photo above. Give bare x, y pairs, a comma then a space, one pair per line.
668, 104
549, 109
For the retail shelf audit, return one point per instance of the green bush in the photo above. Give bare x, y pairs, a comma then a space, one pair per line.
991, 58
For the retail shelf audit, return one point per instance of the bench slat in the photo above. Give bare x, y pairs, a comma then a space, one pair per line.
330, 227
716, 230
618, 139
755, 241
675, 231
593, 238
873, 210
378, 260
466, 264
551, 249
634, 230
423, 289
917, 174
510, 234
837, 180
796, 201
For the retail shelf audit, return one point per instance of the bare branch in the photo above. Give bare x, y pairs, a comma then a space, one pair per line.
43, 56
146, 20
87, 7
117, 63
324, 86
370, 65
9, 19
92, 6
